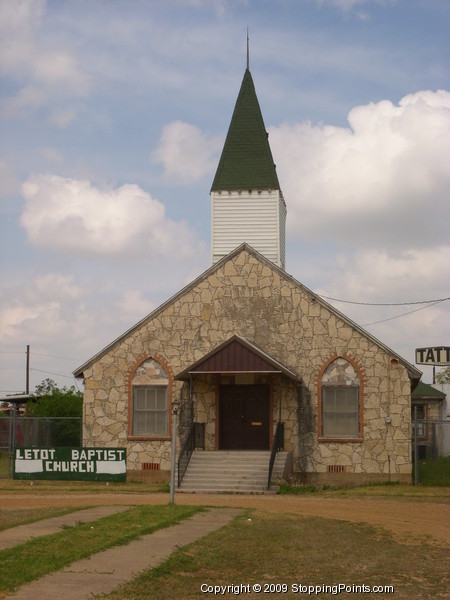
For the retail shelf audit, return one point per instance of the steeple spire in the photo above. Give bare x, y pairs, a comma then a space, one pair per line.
248, 53
246, 162
247, 202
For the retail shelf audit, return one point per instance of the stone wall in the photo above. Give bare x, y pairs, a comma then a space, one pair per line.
249, 297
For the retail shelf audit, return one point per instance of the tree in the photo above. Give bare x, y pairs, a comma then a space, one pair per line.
45, 388
443, 376
55, 403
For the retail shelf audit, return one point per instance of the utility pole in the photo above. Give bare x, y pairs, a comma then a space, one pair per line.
28, 369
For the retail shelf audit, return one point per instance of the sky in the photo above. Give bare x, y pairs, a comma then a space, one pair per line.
113, 115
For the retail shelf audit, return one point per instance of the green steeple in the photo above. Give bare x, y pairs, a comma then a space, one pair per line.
246, 162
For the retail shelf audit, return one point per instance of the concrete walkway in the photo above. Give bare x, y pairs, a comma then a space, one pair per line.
23, 533
104, 571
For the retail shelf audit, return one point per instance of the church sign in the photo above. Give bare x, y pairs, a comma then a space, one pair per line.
435, 355
82, 464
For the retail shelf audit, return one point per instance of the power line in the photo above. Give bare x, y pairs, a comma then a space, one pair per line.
39, 354
52, 356
51, 373
386, 303
402, 315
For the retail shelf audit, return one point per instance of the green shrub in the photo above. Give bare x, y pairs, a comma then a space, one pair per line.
289, 488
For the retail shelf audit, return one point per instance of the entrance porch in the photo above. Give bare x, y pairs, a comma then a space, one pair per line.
235, 402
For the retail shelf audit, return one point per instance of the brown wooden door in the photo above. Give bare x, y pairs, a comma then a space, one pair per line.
244, 417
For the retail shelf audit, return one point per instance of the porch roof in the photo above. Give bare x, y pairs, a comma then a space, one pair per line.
237, 355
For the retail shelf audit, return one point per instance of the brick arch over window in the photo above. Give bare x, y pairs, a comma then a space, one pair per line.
340, 388
150, 387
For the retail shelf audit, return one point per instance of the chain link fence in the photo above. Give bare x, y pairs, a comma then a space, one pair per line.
18, 431
430, 442
430, 451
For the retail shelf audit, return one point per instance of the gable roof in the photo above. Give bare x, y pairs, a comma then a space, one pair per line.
237, 355
425, 391
413, 372
246, 162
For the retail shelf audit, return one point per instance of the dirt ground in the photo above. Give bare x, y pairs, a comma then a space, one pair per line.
410, 521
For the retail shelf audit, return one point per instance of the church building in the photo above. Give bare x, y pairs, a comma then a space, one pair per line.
249, 358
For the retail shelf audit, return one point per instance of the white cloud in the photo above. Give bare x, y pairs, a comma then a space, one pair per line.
30, 97
40, 306
15, 316
18, 19
349, 4
59, 69
51, 154
186, 153
43, 70
377, 181
9, 184
61, 118
53, 284
134, 306
220, 7
75, 216
410, 276
379, 276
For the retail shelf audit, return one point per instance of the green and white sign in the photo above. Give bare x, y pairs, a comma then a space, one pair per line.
83, 464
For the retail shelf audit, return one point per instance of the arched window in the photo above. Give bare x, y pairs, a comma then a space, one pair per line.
340, 391
150, 398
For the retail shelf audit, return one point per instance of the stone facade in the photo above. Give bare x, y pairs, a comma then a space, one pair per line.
246, 295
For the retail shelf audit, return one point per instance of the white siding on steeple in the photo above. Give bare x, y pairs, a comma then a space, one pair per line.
255, 217
282, 212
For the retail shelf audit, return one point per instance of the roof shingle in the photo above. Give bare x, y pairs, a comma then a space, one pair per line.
246, 162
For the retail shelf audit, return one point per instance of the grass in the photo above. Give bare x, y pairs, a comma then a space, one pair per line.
51, 553
4, 459
49, 488
272, 548
289, 488
258, 547
80, 487
12, 518
399, 492
388, 490
435, 472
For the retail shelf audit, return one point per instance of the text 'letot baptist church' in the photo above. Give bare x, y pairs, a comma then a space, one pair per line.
251, 359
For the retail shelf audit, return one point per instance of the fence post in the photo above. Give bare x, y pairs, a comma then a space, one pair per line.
174, 450
10, 445
416, 450
434, 449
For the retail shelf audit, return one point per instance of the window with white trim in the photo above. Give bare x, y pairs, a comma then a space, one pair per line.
340, 401
150, 398
150, 411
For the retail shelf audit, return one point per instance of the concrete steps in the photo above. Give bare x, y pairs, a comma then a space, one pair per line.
232, 471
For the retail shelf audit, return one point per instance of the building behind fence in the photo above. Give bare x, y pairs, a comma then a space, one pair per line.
18, 431
430, 418
432, 440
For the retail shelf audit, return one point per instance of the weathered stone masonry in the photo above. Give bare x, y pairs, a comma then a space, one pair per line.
246, 295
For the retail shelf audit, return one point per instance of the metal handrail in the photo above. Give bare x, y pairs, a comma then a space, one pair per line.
278, 444
186, 453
